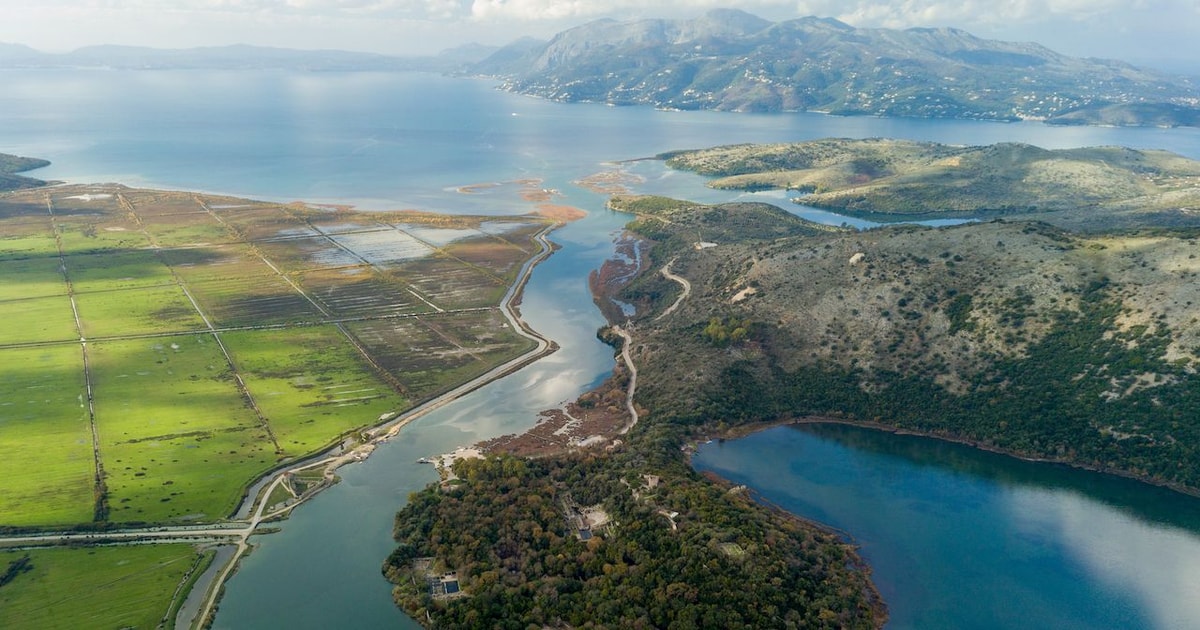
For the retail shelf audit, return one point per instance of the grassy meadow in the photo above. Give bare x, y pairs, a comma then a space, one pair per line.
182, 426
311, 383
45, 439
93, 587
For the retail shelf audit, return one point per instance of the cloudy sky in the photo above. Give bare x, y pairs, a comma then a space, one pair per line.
1138, 30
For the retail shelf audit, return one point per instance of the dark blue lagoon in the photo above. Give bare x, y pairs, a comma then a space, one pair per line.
961, 538
394, 141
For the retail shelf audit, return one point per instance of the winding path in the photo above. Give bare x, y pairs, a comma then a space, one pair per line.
687, 289
629, 392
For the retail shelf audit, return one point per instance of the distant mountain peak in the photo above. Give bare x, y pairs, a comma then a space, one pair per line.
732, 60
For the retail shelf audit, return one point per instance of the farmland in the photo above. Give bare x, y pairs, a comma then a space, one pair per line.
162, 350
113, 587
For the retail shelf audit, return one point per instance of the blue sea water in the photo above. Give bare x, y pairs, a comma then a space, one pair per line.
960, 538
394, 141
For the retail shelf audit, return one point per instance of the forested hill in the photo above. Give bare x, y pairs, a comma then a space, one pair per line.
731, 60
1013, 335
10, 165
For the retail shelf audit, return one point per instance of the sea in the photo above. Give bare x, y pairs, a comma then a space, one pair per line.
956, 538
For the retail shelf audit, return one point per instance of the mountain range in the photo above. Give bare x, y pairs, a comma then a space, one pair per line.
732, 60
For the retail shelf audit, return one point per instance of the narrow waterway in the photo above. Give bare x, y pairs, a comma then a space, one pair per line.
332, 548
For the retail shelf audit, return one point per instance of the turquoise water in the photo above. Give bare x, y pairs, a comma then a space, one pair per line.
960, 538
391, 141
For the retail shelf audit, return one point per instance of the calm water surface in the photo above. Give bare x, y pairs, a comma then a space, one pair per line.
960, 538
393, 141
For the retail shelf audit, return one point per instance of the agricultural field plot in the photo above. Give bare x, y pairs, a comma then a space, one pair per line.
430, 354
217, 262
148, 204
76, 201
37, 320
259, 223
383, 247
485, 334
31, 277
177, 438
261, 301
94, 233
46, 458
311, 383
438, 236
27, 238
99, 234
194, 229
144, 311
452, 284
93, 587
518, 232
22, 205
495, 255
117, 270
361, 292
306, 254
341, 222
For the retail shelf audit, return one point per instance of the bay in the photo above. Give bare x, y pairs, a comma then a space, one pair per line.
393, 141
961, 538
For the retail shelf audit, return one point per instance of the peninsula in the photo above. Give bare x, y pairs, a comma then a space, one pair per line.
1013, 335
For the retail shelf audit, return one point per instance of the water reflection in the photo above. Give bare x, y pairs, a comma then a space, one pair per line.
962, 538
1139, 500
1160, 566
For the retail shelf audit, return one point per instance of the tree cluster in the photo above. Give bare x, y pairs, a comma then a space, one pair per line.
504, 530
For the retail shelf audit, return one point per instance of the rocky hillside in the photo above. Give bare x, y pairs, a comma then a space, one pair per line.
1014, 335
1093, 188
731, 60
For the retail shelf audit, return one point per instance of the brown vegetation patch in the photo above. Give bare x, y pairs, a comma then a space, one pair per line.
561, 213
591, 421
613, 182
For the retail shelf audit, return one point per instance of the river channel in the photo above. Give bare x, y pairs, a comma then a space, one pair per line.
394, 141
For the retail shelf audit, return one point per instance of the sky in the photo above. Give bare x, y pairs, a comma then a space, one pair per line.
1157, 32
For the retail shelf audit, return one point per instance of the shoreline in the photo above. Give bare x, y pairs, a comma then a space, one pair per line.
734, 433
874, 597
335, 457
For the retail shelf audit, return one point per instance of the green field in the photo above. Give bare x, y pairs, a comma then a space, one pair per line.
98, 587
182, 429
148, 310
322, 313
117, 270
31, 277
37, 319
312, 383
46, 442
177, 438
